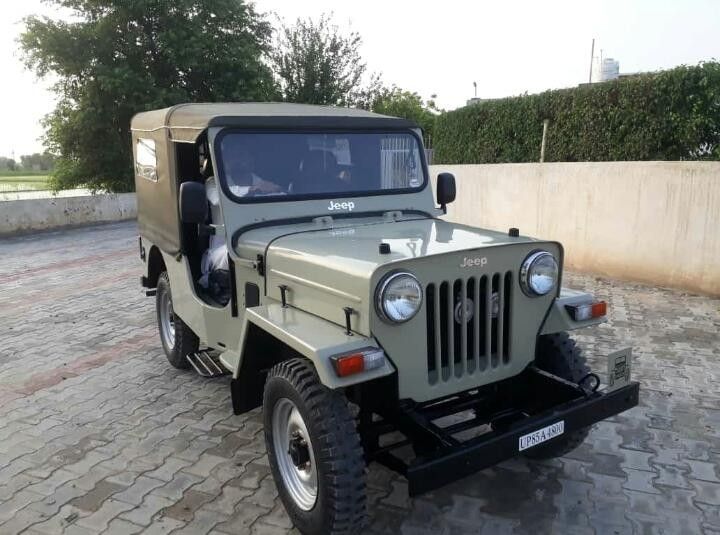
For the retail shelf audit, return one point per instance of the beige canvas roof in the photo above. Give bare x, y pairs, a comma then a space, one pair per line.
185, 122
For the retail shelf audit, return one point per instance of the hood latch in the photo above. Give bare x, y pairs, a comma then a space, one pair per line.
349, 311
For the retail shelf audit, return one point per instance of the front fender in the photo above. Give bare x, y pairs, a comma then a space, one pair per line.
558, 319
312, 337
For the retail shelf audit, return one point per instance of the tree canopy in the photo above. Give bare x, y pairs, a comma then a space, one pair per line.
38, 161
315, 63
115, 58
408, 105
7, 164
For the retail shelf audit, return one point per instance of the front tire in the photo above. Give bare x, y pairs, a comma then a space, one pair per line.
178, 339
314, 451
560, 355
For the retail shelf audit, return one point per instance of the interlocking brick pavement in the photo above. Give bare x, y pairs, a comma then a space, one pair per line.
98, 434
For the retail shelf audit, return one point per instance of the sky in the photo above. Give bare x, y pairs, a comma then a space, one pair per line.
440, 48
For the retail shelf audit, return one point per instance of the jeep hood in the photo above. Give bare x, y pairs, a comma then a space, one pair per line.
328, 269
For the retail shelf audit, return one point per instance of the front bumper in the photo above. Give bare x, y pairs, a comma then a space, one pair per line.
435, 470
531, 403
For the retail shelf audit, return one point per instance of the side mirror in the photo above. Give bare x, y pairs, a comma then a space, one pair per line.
193, 203
445, 190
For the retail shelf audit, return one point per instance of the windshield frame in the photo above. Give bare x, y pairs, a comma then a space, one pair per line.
219, 165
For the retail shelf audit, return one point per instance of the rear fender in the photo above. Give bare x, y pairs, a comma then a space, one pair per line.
153, 263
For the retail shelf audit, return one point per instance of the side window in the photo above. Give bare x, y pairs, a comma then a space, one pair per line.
146, 159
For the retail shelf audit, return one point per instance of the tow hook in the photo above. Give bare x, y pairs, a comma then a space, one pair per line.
589, 383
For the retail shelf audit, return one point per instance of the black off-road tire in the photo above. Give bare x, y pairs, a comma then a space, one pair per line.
560, 355
185, 340
340, 507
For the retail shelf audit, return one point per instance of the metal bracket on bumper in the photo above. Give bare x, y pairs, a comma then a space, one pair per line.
523, 405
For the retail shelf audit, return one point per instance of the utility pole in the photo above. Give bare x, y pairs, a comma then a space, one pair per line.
475, 86
592, 56
542, 144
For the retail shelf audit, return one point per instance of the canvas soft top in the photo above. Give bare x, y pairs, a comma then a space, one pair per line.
185, 122
157, 198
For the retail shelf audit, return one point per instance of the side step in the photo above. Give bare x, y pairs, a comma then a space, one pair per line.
206, 365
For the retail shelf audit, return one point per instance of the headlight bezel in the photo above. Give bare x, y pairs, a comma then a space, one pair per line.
380, 296
526, 271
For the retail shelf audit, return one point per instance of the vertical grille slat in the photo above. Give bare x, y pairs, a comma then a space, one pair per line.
451, 328
495, 320
482, 330
473, 329
506, 314
500, 319
443, 326
476, 325
488, 322
462, 368
438, 341
464, 337
433, 363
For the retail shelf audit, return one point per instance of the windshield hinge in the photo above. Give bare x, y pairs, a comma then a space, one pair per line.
392, 215
324, 220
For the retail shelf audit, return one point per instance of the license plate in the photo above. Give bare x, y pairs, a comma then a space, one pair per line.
541, 435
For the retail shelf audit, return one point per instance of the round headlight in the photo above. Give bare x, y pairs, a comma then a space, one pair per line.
539, 273
399, 297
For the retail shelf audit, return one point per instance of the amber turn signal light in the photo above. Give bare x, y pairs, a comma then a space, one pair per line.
358, 361
587, 311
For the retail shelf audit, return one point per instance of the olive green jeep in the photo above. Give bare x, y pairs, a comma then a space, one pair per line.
300, 250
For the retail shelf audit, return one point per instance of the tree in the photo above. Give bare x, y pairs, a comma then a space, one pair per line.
7, 164
317, 64
119, 57
399, 103
37, 161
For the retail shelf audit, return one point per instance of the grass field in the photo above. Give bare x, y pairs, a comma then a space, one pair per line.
22, 182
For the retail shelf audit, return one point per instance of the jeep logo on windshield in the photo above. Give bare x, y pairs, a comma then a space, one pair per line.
480, 261
346, 205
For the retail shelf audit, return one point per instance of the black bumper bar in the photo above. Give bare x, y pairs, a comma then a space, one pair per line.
454, 462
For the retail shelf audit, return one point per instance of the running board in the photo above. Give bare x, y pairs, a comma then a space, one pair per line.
206, 365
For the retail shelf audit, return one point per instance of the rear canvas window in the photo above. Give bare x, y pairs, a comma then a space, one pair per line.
146, 159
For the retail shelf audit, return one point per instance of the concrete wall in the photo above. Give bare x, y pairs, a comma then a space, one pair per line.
38, 214
656, 222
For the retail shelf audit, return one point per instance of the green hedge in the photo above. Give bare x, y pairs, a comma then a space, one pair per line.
669, 115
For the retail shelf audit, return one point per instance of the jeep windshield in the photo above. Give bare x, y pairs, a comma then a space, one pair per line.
274, 166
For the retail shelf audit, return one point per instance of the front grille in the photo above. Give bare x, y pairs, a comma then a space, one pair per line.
468, 325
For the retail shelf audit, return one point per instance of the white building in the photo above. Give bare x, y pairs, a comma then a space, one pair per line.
607, 69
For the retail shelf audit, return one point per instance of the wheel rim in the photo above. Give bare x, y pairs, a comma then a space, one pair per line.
294, 454
167, 320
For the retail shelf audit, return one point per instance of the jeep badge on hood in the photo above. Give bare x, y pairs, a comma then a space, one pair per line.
345, 205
